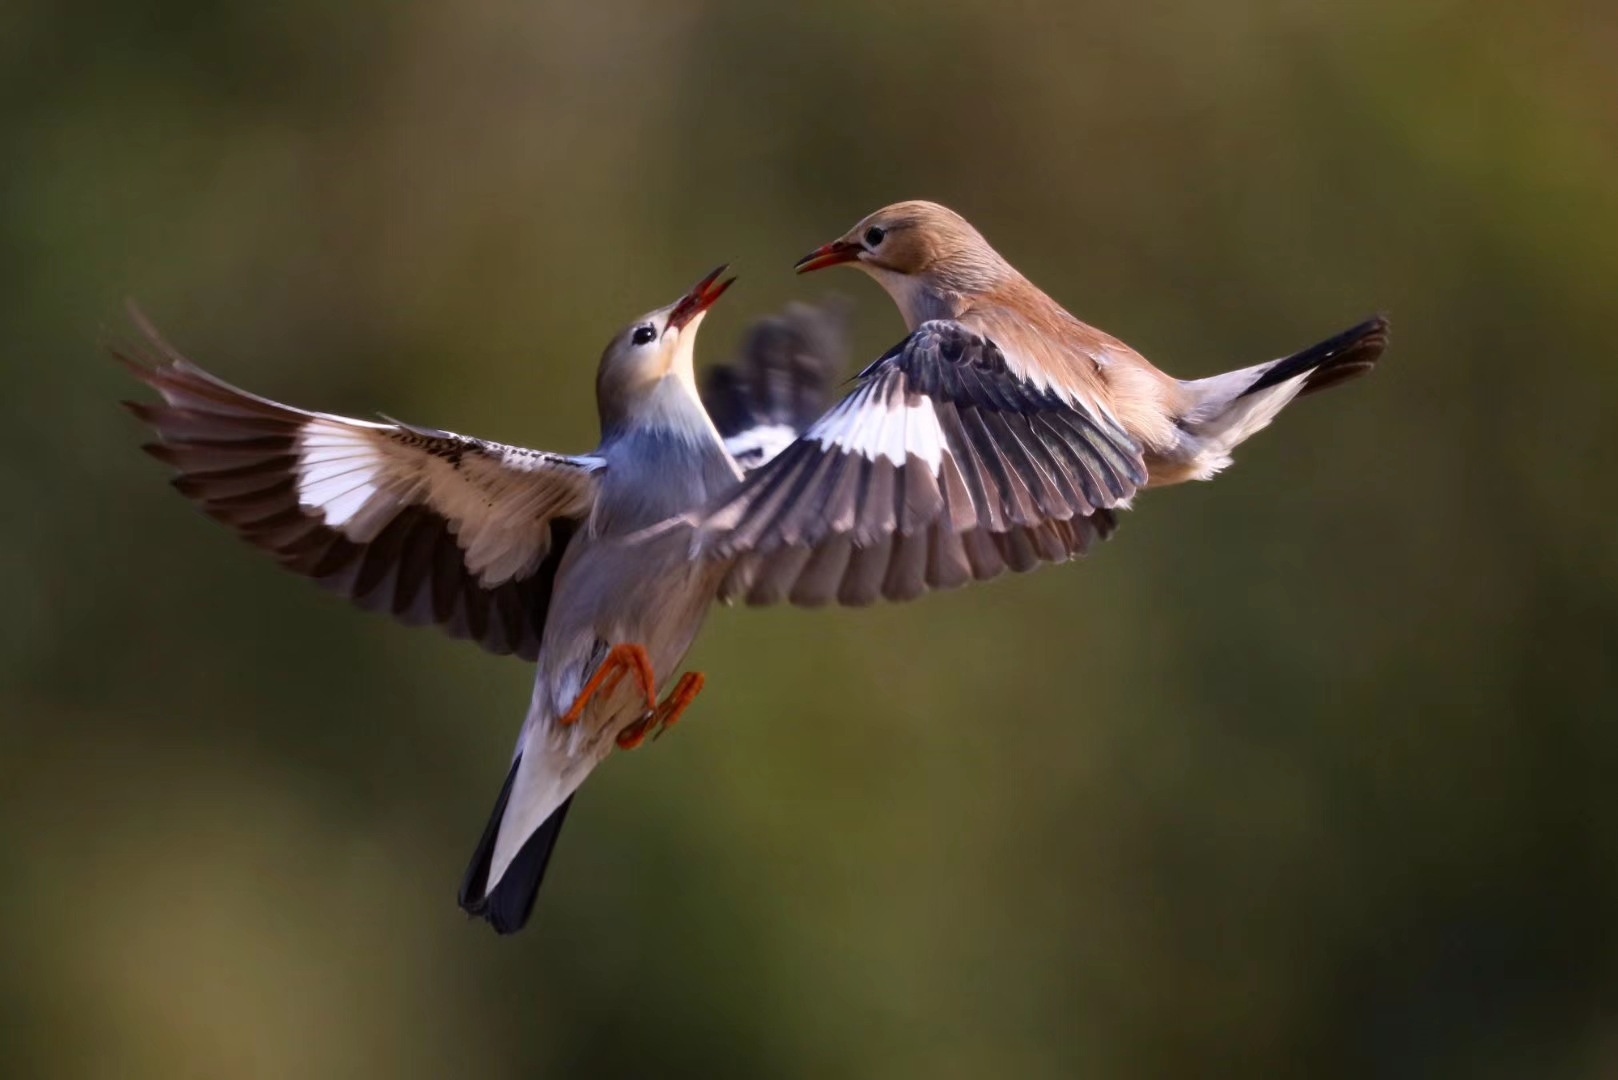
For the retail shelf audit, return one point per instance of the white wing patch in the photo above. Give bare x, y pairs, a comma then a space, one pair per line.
498, 500
342, 476
756, 445
873, 428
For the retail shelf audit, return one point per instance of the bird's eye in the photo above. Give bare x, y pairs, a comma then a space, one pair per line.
874, 235
643, 334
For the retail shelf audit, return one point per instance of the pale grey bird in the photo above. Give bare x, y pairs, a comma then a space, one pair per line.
552, 557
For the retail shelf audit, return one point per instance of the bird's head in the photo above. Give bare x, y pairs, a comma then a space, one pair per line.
656, 347
922, 253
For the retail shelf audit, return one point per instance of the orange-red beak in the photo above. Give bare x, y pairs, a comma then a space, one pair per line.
700, 298
838, 251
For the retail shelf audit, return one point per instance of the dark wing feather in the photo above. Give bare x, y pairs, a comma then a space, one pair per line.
940, 467
780, 383
424, 525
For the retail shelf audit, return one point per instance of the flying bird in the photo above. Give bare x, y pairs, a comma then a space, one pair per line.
1002, 433
545, 556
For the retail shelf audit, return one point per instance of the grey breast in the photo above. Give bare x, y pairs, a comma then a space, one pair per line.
654, 474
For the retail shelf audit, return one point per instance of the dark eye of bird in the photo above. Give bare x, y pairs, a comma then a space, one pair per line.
874, 235
642, 335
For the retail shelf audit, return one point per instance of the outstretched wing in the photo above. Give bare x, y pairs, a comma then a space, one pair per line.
941, 467
426, 525
779, 384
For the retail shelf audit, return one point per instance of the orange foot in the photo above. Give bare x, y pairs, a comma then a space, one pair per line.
622, 658
667, 714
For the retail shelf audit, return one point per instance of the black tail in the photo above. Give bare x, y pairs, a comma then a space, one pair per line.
508, 906
1351, 353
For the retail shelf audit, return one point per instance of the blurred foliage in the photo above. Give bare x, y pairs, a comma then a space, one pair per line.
1308, 772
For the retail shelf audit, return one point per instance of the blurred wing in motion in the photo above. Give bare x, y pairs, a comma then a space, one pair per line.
942, 466
780, 384
426, 525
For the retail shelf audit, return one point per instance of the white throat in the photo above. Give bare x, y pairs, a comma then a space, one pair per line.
673, 403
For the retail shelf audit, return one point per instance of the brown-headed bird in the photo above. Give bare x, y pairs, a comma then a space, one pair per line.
1001, 433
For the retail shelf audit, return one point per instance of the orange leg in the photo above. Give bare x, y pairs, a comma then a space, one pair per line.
667, 714
680, 698
622, 658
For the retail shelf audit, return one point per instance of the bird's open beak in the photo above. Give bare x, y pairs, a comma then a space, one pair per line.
838, 251
699, 299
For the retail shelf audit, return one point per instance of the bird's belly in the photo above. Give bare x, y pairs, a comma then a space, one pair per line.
620, 592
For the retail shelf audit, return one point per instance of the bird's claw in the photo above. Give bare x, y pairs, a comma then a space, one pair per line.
656, 721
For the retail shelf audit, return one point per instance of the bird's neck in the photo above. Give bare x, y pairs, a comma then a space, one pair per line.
923, 297
664, 457
666, 402
918, 300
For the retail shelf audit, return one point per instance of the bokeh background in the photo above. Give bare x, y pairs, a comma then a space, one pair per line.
1310, 771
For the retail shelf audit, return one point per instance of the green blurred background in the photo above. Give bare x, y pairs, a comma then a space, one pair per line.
1307, 772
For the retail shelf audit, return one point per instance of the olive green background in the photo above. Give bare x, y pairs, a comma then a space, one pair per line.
1307, 772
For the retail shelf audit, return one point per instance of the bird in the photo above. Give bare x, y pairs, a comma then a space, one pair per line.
1001, 432
554, 558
